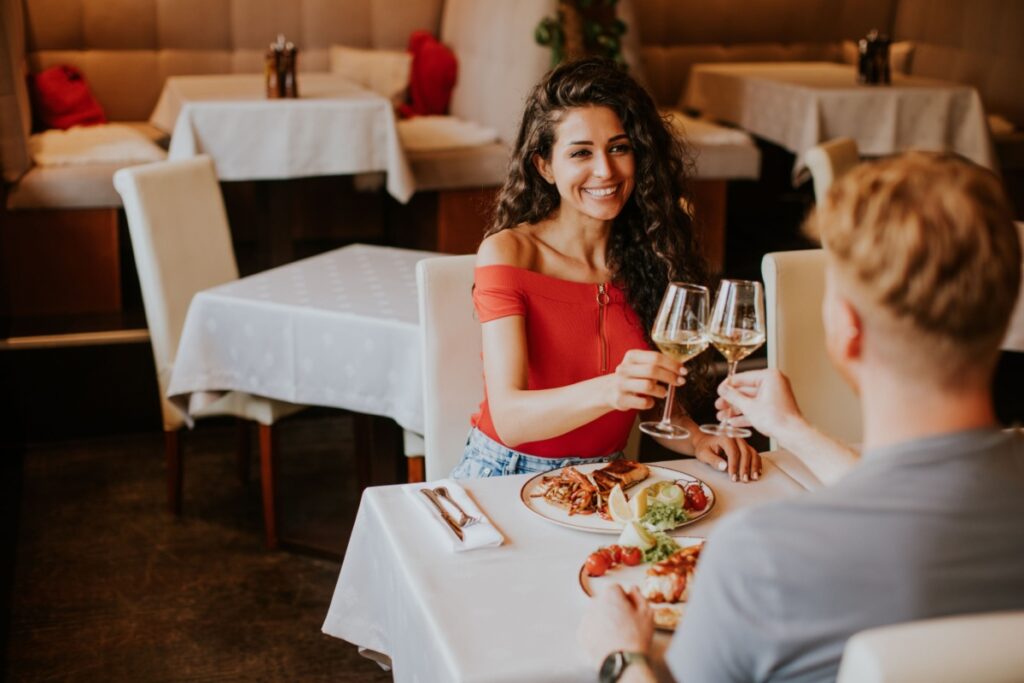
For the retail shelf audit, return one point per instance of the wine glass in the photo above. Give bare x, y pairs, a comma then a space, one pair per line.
678, 332
736, 329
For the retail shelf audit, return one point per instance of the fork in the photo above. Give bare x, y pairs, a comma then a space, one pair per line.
464, 519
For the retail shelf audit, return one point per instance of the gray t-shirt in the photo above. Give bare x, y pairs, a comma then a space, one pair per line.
923, 529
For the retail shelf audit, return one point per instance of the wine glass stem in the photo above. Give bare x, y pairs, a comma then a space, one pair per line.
728, 380
666, 417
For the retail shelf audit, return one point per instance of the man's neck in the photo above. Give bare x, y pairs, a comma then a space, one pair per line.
897, 409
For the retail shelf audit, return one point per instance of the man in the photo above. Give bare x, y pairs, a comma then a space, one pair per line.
923, 267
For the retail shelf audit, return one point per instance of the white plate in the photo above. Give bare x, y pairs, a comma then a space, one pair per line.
666, 614
594, 523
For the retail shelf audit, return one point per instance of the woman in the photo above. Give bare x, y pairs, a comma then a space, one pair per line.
588, 232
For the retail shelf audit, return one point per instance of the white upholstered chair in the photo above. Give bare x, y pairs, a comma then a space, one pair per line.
828, 162
794, 287
182, 244
981, 648
452, 365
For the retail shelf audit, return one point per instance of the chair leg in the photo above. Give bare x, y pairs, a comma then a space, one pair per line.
416, 469
243, 451
175, 470
267, 482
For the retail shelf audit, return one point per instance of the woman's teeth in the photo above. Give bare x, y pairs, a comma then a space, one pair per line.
600, 192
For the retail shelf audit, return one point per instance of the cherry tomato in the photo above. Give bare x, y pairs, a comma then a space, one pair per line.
608, 555
695, 498
597, 564
632, 556
616, 551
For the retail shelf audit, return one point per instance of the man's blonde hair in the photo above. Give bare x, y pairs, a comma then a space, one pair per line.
927, 245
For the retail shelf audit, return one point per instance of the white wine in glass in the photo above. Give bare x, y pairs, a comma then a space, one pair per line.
678, 332
736, 329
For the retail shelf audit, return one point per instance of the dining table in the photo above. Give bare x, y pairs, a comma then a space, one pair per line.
501, 613
340, 330
335, 127
797, 105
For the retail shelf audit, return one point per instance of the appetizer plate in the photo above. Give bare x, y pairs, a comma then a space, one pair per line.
666, 614
536, 503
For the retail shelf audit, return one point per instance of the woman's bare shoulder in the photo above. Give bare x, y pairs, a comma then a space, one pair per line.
510, 247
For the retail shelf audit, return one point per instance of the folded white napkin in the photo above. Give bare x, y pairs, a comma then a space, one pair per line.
479, 535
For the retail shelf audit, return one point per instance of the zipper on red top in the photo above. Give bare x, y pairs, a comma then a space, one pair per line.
602, 303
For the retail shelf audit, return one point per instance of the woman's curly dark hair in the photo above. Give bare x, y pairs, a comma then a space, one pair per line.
652, 241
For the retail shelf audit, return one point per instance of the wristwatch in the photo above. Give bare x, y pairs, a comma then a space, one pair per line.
615, 665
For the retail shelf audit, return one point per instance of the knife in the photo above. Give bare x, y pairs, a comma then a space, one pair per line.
432, 497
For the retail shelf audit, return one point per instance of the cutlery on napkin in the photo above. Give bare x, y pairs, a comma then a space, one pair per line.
479, 534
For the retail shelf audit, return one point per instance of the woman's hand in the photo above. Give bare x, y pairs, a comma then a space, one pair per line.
641, 378
724, 453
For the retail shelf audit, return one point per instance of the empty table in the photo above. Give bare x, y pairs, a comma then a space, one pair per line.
800, 104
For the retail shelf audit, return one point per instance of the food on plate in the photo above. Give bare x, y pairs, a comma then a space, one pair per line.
670, 504
669, 580
633, 534
603, 559
618, 507
625, 473
696, 499
584, 495
664, 547
666, 618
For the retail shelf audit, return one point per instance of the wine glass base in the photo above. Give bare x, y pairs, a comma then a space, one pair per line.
664, 431
726, 430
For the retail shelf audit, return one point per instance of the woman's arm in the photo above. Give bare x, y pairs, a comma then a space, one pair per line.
522, 415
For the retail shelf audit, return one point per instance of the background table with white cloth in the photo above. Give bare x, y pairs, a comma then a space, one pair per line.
500, 614
339, 330
799, 104
334, 127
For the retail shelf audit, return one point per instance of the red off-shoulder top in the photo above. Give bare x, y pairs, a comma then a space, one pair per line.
574, 331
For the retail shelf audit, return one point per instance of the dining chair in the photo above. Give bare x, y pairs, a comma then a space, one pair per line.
453, 369
828, 162
794, 283
182, 244
981, 648
452, 364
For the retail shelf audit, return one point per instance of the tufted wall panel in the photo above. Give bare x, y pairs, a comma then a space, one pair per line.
979, 42
128, 47
675, 34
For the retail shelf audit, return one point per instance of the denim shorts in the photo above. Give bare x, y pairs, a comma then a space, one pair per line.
485, 457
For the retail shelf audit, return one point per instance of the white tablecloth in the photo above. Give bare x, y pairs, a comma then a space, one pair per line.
800, 104
334, 128
500, 614
340, 330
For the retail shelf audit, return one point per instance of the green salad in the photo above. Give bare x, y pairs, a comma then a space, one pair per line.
661, 516
663, 548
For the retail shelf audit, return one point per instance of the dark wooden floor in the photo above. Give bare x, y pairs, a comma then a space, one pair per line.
106, 586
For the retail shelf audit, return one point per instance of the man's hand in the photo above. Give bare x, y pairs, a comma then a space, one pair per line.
616, 620
762, 399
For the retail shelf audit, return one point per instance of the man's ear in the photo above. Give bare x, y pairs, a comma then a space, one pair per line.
543, 167
852, 331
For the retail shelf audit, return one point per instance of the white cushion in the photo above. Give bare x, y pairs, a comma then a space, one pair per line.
386, 72
108, 143
433, 133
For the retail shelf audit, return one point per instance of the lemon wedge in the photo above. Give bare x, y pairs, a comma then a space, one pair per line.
618, 506
634, 535
638, 504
